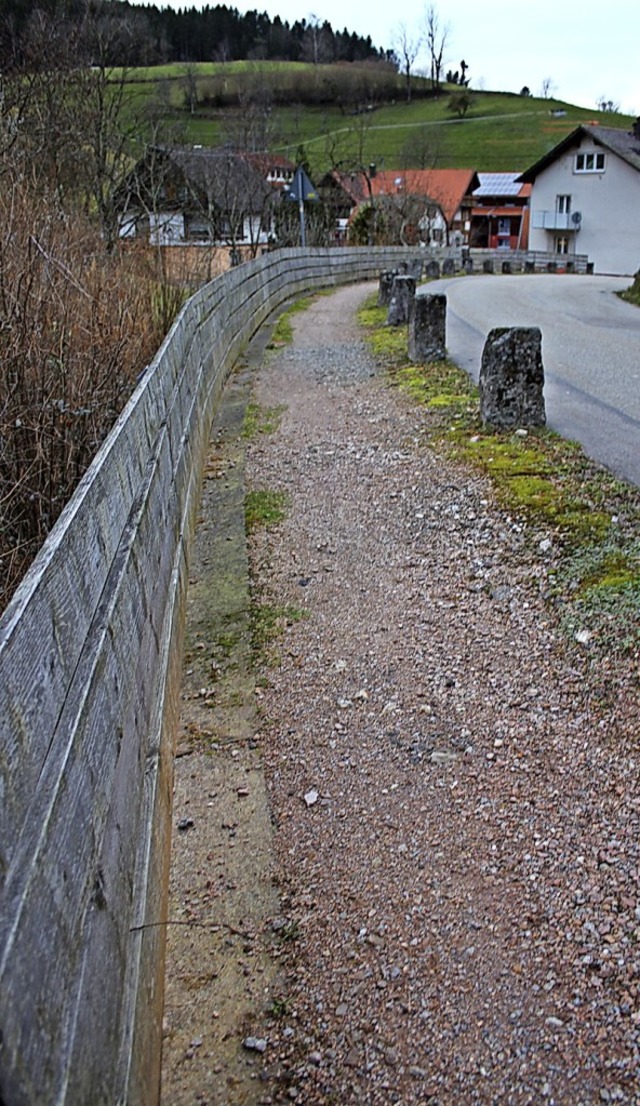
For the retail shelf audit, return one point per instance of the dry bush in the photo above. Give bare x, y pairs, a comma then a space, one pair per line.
77, 326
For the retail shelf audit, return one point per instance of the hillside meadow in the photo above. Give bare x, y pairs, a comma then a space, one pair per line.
353, 114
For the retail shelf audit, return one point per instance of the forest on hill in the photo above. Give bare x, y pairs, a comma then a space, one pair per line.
151, 35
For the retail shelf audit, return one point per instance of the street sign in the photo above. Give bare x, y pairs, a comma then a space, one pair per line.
301, 188
301, 191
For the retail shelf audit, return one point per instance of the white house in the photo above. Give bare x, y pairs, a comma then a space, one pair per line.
197, 195
585, 198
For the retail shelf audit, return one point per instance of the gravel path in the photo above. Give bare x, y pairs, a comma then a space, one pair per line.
454, 790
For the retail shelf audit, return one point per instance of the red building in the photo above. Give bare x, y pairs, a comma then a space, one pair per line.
500, 213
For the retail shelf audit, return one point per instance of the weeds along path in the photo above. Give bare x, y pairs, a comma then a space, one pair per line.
413, 873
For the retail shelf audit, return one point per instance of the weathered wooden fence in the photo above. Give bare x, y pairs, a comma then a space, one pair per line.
90, 656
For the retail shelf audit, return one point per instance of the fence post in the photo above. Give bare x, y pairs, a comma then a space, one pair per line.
427, 328
512, 378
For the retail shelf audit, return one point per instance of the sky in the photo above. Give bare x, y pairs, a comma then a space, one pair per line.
588, 50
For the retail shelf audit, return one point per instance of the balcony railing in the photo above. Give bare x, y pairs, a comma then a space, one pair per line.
556, 220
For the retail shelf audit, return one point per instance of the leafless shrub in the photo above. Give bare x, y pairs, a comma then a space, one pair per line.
77, 326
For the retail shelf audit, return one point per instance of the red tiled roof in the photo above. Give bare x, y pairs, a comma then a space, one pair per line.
446, 187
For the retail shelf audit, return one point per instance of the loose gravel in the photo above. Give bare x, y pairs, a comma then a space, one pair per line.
453, 786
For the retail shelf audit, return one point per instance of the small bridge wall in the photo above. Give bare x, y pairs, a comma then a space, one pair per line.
90, 658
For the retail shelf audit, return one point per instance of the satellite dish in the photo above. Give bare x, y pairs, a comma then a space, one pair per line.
576, 218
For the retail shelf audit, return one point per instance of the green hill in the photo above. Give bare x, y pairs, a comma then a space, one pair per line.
354, 114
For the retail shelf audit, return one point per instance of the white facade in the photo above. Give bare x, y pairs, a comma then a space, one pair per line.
172, 229
433, 228
587, 201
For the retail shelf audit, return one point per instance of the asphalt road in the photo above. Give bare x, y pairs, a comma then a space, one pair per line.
590, 351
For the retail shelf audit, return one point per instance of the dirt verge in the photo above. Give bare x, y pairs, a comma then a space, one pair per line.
221, 946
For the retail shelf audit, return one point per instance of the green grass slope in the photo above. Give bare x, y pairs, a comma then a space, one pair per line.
355, 115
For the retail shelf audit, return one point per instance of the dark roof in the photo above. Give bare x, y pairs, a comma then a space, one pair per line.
216, 171
626, 144
219, 177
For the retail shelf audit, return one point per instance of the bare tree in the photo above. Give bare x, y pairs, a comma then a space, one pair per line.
349, 152
241, 204
78, 322
317, 43
407, 47
437, 37
189, 82
250, 126
423, 149
547, 87
607, 105
78, 128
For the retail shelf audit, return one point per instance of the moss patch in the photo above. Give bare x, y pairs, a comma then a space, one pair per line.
438, 384
264, 507
268, 624
261, 420
283, 330
388, 343
536, 476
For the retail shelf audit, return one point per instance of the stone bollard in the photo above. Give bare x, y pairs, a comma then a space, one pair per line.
414, 269
385, 287
506, 267
552, 266
402, 293
467, 265
487, 265
427, 327
432, 269
529, 266
512, 378
448, 266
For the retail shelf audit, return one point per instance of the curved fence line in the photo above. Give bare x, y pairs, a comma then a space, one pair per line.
90, 659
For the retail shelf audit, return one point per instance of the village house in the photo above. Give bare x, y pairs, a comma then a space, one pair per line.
500, 213
585, 197
198, 195
427, 206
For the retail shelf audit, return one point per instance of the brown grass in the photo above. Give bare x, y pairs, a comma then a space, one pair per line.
77, 326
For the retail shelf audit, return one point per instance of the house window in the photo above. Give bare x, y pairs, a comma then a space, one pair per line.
563, 205
196, 228
562, 244
589, 163
231, 229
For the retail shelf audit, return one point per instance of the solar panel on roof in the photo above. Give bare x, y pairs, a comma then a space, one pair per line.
498, 184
